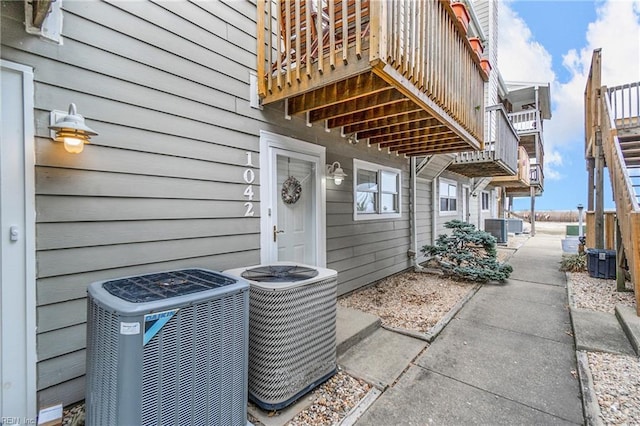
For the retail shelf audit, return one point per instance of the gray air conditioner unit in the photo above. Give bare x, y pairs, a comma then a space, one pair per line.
515, 226
497, 228
168, 348
292, 331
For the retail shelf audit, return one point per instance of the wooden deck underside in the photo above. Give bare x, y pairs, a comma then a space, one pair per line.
478, 169
368, 107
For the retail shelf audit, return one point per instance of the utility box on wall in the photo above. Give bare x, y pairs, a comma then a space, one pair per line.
601, 263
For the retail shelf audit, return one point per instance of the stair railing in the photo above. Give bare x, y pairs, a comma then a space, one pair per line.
624, 102
627, 209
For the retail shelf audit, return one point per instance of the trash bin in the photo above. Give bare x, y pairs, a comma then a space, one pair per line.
601, 263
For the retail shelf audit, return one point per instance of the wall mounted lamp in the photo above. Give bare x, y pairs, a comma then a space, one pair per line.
335, 172
70, 129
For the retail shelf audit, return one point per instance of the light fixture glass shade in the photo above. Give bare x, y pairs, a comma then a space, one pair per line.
73, 145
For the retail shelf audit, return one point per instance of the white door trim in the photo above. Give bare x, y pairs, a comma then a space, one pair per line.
466, 203
270, 140
24, 335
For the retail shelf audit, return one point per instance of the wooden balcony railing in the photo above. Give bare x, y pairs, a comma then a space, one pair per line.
346, 62
500, 154
522, 179
625, 105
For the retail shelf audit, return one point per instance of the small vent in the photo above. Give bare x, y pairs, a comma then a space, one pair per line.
280, 273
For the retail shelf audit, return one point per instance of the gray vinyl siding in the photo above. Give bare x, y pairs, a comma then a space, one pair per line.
367, 250
166, 86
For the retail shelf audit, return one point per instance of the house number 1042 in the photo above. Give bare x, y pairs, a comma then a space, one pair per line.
249, 177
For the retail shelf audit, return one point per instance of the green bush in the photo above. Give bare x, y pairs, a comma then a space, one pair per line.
574, 263
468, 254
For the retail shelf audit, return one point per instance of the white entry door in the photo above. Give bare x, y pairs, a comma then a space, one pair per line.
17, 248
292, 199
295, 207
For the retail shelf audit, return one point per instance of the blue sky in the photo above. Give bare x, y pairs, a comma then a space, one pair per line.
552, 41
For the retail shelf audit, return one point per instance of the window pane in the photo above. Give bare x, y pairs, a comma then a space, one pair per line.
453, 191
389, 182
444, 189
389, 203
367, 180
443, 204
453, 205
365, 202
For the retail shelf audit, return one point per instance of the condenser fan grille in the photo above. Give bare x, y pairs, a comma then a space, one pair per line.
165, 285
279, 273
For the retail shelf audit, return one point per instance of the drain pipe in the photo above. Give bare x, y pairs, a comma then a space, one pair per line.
413, 249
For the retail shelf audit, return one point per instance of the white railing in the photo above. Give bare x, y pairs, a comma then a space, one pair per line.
624, 102
525, 121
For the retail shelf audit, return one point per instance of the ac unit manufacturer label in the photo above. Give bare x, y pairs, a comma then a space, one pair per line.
129, 328
154, 322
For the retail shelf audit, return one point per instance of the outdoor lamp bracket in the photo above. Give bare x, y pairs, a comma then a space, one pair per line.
335, 172
69, 128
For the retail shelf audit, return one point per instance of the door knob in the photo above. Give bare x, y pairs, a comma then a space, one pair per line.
276, 232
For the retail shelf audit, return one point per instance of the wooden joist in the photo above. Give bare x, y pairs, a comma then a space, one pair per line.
427, 134
377, 113
429, 123
388, 121
342, 91
364, 103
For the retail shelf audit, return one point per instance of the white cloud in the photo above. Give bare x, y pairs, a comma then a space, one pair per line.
520, 57
616, 31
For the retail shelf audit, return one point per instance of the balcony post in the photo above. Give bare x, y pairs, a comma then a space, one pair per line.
533, 211
378, 25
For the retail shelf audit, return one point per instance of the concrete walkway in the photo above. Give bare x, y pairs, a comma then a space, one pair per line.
508, 357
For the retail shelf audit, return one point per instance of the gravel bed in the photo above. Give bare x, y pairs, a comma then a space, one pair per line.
332, 401
412, 301
597, 294
616, 381
616, 378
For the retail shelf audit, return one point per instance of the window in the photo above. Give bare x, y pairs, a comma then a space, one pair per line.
448, 196
485, 201
376, 191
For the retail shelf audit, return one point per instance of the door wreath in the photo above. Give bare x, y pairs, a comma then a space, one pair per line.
291, 190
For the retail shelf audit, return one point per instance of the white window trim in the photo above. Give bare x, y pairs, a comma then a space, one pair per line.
360, 164
488, 209
449, 212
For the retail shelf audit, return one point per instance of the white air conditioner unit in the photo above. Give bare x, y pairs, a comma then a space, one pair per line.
292, 330
168, 348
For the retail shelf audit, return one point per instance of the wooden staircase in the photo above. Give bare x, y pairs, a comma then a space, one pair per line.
630, 147
612, 138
